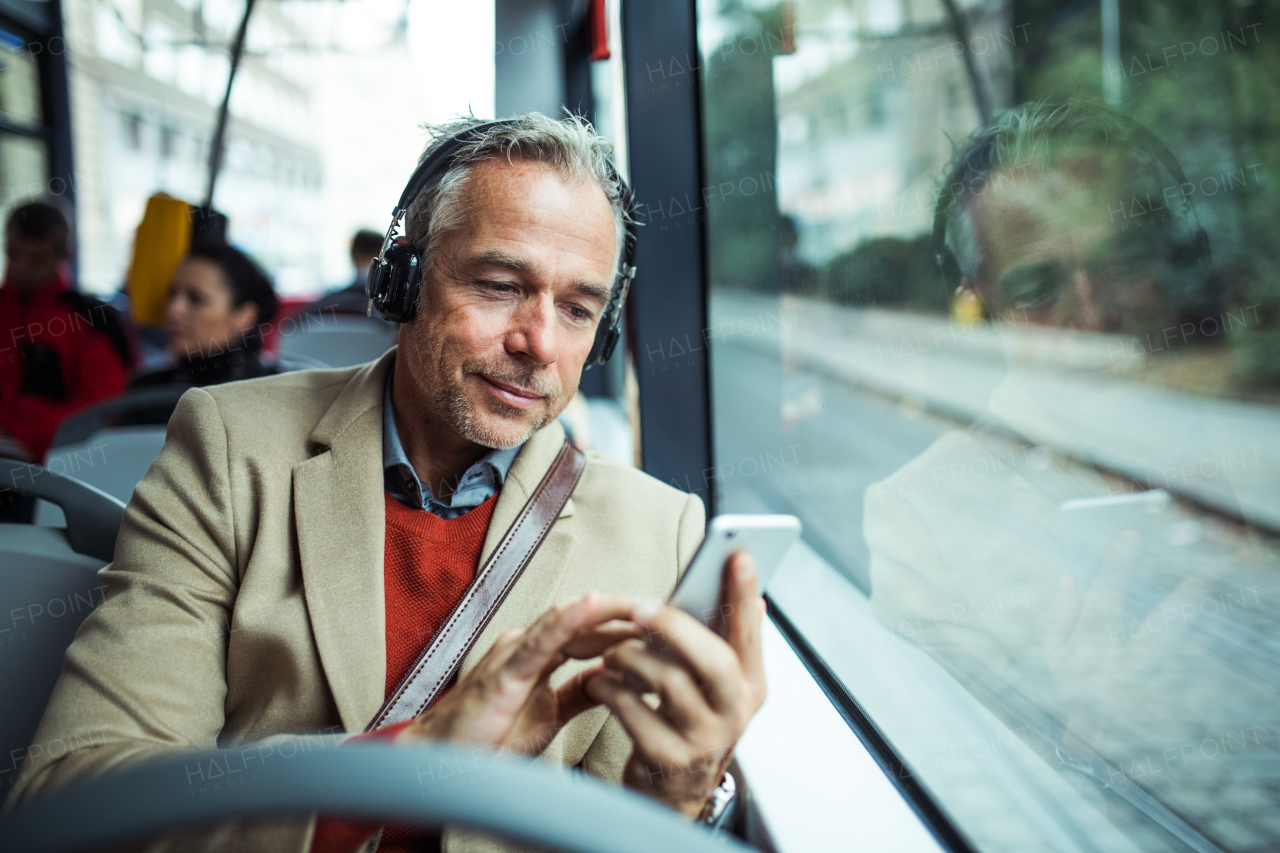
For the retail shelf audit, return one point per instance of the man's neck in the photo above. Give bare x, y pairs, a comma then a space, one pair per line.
439, 455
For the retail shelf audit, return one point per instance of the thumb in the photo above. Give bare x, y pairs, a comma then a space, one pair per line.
572, 698
1063, 613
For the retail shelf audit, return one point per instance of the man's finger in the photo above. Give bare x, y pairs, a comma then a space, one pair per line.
682, 700
1064, 610
572, 697
643, 724
556, 628
713, 662
744, 613
592, 642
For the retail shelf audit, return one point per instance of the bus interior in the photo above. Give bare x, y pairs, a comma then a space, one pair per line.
983, 292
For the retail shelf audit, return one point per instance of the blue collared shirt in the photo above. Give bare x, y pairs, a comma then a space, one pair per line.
480, 482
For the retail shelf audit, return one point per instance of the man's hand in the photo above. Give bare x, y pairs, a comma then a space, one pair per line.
709, 689
507, 700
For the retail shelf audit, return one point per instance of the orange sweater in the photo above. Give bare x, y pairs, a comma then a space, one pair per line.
429, 563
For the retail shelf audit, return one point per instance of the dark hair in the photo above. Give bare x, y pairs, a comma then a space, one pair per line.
40, 221
247, 280
366, 242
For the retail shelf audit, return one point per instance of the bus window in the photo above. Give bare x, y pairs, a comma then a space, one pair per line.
19, 81
24, 167
992, 309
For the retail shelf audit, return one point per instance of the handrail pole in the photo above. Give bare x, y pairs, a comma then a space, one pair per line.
220, 129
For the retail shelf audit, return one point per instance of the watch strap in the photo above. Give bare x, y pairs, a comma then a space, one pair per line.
719, 810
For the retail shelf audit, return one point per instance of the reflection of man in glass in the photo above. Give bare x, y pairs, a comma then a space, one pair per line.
1128, 631
1058, 216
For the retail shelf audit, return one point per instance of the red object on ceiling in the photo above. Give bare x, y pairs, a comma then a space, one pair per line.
598, 27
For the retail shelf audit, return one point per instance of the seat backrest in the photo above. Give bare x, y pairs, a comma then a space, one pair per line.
93, 516
113, 460
337, 341
81, 426
46, 591
48, 585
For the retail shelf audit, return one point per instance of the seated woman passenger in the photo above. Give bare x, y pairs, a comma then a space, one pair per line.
218, 300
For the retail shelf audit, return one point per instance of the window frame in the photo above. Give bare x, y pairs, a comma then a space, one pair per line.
40, 23
671, 303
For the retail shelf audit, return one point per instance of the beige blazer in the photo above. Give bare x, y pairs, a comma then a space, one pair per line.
246, 599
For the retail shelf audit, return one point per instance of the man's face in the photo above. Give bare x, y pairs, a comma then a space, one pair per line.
511, 302
31, 262
1052, 256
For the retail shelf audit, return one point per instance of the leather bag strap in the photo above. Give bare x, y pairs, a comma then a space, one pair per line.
437, 663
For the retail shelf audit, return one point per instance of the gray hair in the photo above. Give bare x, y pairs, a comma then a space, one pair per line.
569, 145
962, 240
1032, 136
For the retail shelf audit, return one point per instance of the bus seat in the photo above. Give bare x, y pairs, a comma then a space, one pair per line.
290, 363
140, 405
522, 799
111, 445
48, 584
114, 460
92, 516
46, 591
338, 341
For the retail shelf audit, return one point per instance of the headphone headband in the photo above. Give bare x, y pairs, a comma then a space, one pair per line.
436, 162
395, 276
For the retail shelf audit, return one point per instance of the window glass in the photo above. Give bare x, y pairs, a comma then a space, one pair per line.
995, 310
24, 172
19, 81
24, 169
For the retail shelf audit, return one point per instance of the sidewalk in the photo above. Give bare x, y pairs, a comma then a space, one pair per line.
1044, 385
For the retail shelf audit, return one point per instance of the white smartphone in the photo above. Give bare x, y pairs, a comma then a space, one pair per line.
1087, 526
766, 537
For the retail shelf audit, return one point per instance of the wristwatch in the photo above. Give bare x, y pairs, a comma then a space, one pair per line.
718, 812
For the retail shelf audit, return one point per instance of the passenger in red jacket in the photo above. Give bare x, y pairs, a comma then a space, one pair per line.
60, 350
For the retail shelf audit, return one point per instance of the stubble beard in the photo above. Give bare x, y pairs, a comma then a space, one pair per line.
434, 374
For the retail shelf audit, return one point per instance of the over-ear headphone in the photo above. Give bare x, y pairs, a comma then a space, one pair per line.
975, 159
395, 276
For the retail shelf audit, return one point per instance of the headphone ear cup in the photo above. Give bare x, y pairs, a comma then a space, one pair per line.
607, 334
610, 343
375, 283
394, 281
609, 331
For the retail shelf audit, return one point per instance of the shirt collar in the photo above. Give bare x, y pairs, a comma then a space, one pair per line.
480, 482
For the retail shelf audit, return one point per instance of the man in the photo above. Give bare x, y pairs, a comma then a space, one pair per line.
1070, 608
1038, 218
61, 350
299, 537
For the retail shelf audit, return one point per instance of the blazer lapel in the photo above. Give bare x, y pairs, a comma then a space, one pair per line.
340, 517
537, 587
341, 523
